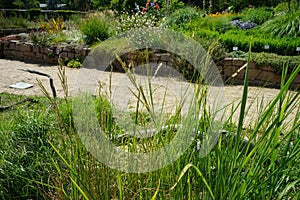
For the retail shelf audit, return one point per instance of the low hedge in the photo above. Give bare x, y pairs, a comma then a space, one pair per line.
241, 39
271, 59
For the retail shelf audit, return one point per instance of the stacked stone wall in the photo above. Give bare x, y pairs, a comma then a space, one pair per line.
232, 70
25, 51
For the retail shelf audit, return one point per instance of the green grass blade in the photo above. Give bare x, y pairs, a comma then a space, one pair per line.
80, 190
287, 188
156, 192
199, 173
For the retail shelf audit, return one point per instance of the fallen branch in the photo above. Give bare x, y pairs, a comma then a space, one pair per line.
43, 74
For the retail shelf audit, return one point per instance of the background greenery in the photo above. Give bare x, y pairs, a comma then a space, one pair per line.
212, 6
276, 27
41, 156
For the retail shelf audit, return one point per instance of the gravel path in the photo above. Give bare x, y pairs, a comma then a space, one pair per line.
11, 73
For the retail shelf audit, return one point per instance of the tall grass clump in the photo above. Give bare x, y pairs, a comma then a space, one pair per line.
25, 169
269, 170
233, 169
286, 25
96, 28
286, 6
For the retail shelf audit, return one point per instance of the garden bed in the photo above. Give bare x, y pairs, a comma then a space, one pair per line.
230, 68
12, 48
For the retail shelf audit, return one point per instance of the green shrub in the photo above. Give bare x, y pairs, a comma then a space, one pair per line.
257, 15
209, 41
13, 22
206, 33
276, 61
287, 25
180, 17
46, 39
40, 38
74, 63
220, 24
214, 47
283, 7
170, 6
269, 59
241, 39
96, 29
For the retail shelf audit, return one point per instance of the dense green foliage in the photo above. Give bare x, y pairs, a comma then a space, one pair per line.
13, 22
286, 25
42, 156
97, 28
219, 26
240, 39
17, 4
169, 6
24, 149
180, 17
269, 59
257, 15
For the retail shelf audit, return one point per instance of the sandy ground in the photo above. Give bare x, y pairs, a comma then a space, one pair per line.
11, 72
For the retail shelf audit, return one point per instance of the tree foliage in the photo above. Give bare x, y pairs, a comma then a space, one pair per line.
209, 5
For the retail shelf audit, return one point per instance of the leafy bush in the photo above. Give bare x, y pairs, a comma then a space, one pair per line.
205, 33
257, 15
283, 7
46, 38
40, 38
220, 24
73, 36
208, 39
287, 25
181, 17
73, 63
13, 22
214, 47
238, 54
241, 39
269, 59
276, 61
170, 6
96, 29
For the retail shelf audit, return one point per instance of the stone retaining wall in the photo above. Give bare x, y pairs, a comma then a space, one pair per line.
24, 51
232, 70
258, 76
265, 76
